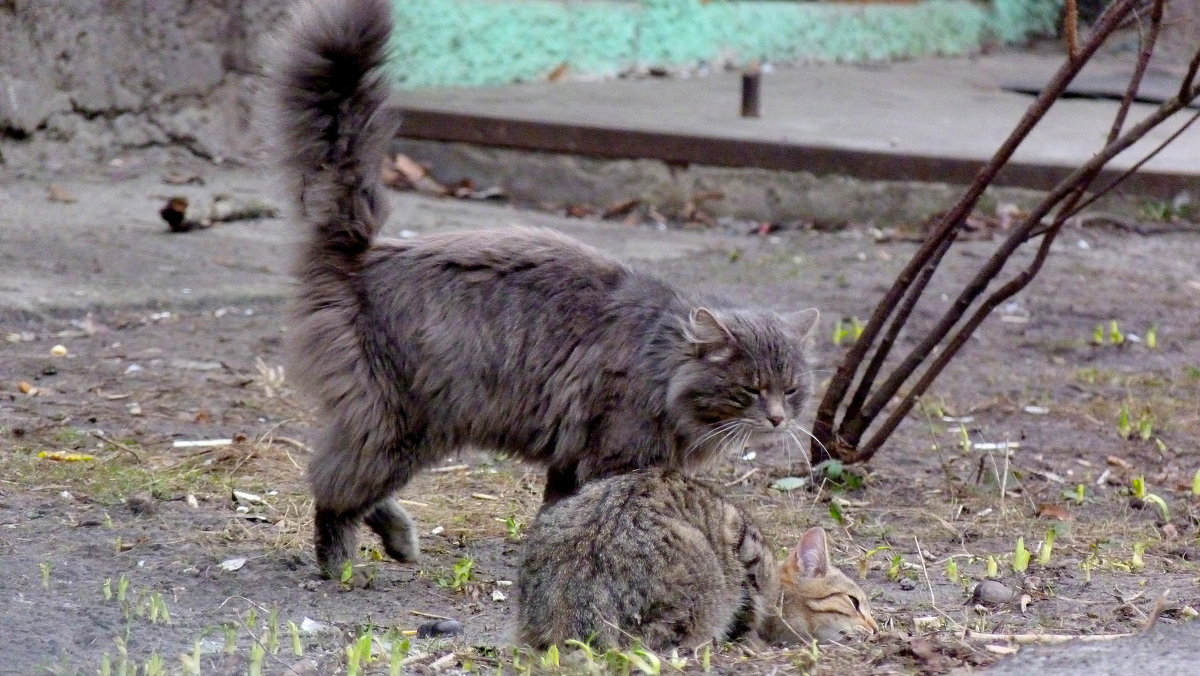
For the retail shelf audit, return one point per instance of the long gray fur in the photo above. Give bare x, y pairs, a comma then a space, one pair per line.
519, 340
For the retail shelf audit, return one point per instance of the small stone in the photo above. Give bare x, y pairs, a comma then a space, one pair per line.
59, 350
438, 628
992, 593
908, 584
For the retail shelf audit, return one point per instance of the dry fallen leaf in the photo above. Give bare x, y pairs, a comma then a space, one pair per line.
27, 387
1048, 510
1117, 461
63, 456
559, 71
56, 193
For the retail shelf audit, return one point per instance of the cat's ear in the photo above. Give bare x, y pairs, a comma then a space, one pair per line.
810, 558
706, 330
802, 322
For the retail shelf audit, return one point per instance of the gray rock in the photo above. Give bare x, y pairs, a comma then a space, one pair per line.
439, 628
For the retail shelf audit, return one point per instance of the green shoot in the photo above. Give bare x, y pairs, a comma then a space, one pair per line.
153, 666
1160, 445
272, 641
44, 566
835, 511
706, 658
1078, 495
550, 657
191, 663
1046, 548
1114, 334
952, 571
106, 589
839, 332
1020, 560
1138, 550
230, 638
463, 572
677, 663
347, 572
1163, 510
397, 654
358, 654
122, 656
993, 568
644, 661
297, 646
514, 527
105, 665
1124, 427
964, 439
1138, 487
1098, 335
1146, 425
122, 587
1196, 483
856, 328
895, 565
1152, 337
257, 655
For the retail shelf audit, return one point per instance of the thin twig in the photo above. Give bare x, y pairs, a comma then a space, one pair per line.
742, 478
925, 571
419, 613
1160, 604
1025, 639
823, 427
294, 443
118, 445
1147, 43
1067, 190
1071, 28
1130, 171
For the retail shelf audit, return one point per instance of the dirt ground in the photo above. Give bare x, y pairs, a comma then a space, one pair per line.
141, 554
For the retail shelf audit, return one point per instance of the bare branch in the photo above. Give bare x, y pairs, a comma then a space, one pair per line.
951, 331
1147, 48
823, 426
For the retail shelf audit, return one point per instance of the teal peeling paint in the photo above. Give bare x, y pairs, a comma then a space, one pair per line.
482, 42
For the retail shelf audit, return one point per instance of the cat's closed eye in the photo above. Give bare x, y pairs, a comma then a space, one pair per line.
790, 391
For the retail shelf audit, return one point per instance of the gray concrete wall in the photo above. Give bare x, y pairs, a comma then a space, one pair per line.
82, 79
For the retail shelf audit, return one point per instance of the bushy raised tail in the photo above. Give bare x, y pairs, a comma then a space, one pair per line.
330, 125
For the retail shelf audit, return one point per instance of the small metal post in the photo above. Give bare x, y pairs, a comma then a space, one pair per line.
751, 88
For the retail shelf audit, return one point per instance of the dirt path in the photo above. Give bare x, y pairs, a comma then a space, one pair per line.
151, 366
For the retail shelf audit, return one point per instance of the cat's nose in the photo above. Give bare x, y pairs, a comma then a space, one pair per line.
775, 418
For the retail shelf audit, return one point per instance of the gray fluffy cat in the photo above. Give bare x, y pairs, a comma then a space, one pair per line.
664, 559
518, 340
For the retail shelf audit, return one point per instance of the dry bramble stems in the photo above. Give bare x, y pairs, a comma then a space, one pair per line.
860, 406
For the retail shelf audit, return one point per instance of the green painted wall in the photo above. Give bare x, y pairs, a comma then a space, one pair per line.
482, 42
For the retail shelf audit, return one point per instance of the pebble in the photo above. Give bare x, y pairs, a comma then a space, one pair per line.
992, 593
438, 628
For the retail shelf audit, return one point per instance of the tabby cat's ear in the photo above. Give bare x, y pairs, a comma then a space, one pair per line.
709, 333
803, 322
810, 558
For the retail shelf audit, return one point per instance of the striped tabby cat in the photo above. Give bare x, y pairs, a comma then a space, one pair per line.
664, 559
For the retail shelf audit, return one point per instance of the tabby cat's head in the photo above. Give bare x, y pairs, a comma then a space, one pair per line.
817, 600
747, 373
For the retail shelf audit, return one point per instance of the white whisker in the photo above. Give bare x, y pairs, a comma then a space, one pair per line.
794, 426
800, 446
728, 424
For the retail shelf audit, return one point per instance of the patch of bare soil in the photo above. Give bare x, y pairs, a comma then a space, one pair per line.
129, 550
